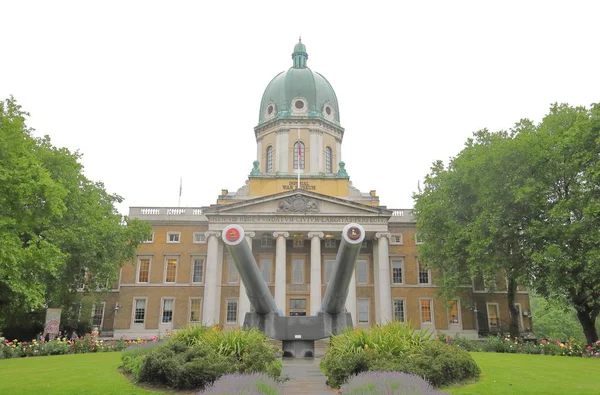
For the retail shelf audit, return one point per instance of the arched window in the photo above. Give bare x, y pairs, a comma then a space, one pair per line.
269, 159
298, 155
328, 160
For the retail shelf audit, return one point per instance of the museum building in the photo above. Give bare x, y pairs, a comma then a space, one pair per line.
293, 207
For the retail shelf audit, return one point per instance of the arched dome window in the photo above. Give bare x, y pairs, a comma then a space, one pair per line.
328, 160
298, 155
269, 159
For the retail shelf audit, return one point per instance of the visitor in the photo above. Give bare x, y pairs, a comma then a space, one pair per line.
74, 336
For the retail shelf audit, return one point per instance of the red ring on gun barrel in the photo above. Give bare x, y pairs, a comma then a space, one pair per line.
353, 233
233, 234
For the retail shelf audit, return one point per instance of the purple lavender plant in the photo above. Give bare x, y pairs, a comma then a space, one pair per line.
388, 383
243, 384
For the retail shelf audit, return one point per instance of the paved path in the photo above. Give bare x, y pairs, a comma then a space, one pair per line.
305, 377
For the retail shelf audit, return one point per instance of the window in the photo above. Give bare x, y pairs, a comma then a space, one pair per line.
330, 243
399, 310
329, 264
298, 155
173, 237
266, 265
397, 269
426, 311
231, 315
493, 316
139, 312
97, 315
363, 311
143, 270
195, 309
424, 274
234, 275
150, 240
266, 241
83, 277
297, 304
298, 242
396, 239
199, 237
418, 239
198, 270
269, 159
298, 271
171, 270
328, 160
167, 311
453, 312
362, 273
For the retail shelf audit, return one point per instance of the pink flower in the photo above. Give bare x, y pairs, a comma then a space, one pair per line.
590, 348
543, 341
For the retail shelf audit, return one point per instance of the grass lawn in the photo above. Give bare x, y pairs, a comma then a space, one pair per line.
533, 374
66, 374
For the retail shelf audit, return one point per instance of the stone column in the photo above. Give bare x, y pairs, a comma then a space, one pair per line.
315, 271
244, 303
211, 302
385, 292
376, 283
280, 275
351, 300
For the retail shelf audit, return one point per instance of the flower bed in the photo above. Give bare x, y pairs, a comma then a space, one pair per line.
195, 357
506, 344
395, 347
376, 383
86, 344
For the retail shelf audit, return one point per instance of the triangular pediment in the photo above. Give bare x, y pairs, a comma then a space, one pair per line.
297, 202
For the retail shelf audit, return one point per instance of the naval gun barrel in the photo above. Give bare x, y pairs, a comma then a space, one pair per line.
339, 284
256, 288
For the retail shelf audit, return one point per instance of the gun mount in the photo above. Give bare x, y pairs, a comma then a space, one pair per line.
298, 334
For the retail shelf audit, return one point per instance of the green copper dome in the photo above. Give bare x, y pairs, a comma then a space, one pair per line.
299, 92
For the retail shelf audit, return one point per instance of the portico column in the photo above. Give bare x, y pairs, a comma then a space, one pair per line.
315, 271
244, 301
210, 308
280, 262
385, 292
351, 299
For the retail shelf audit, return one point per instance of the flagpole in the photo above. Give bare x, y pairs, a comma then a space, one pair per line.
299, 158
180, 185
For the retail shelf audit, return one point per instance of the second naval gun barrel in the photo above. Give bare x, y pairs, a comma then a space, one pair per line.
339, 284
256, 288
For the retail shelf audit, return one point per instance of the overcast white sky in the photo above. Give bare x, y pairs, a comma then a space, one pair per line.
153, 91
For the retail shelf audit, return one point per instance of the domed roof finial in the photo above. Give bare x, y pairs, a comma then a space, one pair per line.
300, 56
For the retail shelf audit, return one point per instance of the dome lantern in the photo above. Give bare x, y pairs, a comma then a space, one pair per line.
300, 56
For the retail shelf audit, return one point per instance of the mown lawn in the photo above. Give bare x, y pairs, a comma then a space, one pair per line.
93, 374
80, 374
533, 374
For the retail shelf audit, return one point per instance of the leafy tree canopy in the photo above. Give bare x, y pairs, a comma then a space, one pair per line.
58, 229
525, 205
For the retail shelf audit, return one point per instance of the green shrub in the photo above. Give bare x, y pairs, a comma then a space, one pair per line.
197, 356
190, 335
395, 347
177, 365
133, 365
441, 364
338, 367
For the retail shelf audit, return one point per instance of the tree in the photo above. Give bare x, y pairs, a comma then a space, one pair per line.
471, 218
565, 236
525, 204
57, 228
